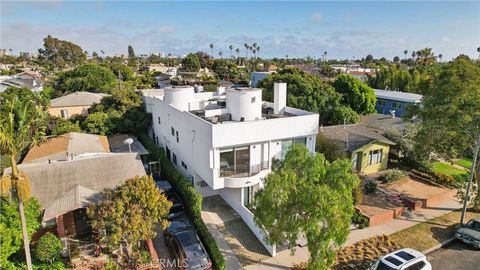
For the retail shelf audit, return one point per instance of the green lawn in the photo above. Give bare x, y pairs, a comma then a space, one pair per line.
445, 168
466, 163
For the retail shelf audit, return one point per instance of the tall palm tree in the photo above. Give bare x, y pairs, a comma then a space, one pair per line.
238, 52
325, 56
246, 50
414, 54
231, 50
440, 56
250, 48
220, 53
22, 124
405, 52
478, 50
254, 51
258, 51
211, 48
254, 45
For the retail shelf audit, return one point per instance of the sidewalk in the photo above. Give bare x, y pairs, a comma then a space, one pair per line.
283, 260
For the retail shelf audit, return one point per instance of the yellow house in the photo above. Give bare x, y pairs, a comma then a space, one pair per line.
366, 147
75, 103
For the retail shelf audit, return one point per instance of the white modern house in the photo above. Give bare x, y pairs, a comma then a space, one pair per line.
224, 141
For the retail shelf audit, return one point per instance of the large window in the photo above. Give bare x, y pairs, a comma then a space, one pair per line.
287, 143
234, 161
375, 156
64, 114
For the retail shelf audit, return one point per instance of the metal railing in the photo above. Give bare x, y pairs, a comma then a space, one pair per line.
241, 170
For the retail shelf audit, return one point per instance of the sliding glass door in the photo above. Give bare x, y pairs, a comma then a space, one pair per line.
234, 161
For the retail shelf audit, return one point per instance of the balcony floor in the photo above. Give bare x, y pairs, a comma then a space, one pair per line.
241, 240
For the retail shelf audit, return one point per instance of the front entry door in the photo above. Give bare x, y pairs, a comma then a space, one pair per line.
359, 161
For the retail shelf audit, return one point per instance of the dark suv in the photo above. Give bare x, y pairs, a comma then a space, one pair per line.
185, 245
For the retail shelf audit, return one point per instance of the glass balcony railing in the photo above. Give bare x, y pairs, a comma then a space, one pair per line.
241, 170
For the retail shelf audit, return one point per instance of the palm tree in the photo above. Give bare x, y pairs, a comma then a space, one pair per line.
103, 53
246, 50
220, 53
405, 52
21, 126
211, 48
254, 45
413, 55
231, 50
238, 52
478, 50
325, 55
258, 51
254, 51
440, 56
250, 48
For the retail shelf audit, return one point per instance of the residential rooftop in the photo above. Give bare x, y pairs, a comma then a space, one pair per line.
77, 99
398, 96
353, 136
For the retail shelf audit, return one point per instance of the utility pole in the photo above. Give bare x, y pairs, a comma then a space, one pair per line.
470, 179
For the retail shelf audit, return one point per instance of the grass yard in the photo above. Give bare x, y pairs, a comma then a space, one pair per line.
431, 233
440, 167
466, 163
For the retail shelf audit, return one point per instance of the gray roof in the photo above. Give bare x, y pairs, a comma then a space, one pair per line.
77, 99
77, 197
354, 136
117, 146
398, 96
383, 122
97, 171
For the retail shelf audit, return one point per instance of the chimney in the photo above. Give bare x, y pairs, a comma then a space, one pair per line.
279, 98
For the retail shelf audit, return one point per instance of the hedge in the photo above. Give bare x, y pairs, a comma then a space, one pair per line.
191, 198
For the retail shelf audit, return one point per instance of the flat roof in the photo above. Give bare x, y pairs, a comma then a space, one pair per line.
399, 96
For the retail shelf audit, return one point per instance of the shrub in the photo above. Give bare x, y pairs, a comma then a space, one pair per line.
370, 187
360, 220
393, 175
49, 248
357, 195
191, 197
112, 265
445, 180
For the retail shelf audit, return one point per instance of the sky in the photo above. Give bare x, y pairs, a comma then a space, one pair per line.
345, 30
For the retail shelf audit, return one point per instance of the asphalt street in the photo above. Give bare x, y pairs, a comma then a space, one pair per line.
455, 256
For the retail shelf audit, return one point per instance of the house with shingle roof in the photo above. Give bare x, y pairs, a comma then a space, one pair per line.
72, 143
74, 103
366, 147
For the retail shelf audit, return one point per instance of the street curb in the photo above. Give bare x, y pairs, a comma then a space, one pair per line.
438, 246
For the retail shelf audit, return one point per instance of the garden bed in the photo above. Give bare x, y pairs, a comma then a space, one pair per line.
378, 209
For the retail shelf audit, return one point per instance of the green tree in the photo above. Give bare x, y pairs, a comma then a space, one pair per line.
305, 91
22, 124
191, 63
132, 59
98, 123
49, 248
10, 228
65, 126
225, 69
355, 94
130, 212
59, 53
308, 195
87, 77
344, 115
450, 113
122, 72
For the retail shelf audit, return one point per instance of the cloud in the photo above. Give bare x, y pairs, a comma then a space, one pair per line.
445, 39
167, 29
317, 17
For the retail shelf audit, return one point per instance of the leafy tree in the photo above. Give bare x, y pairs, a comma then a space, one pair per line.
355, 94
49, 248
98, 123
369, 58
225, 69
131, 52
65, 126
10, 228
306, 92
308, 195
344, 115
130, 212
59, 53
22, 124
87, 77
450, 113
191, 63
122, 71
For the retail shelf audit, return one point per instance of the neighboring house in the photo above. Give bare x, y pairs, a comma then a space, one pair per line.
117, 144
257, 76
75, 103
27, 79
224, 141
61, 187
394, 102
367, 148
73, 143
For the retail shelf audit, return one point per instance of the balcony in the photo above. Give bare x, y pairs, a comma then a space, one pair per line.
242, 171
244, 176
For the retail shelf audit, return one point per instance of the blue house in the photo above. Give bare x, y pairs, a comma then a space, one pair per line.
395, 101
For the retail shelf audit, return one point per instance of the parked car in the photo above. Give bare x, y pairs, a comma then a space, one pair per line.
470, 232
404, 259
188, 250
177, 206
180, 223
164, 185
